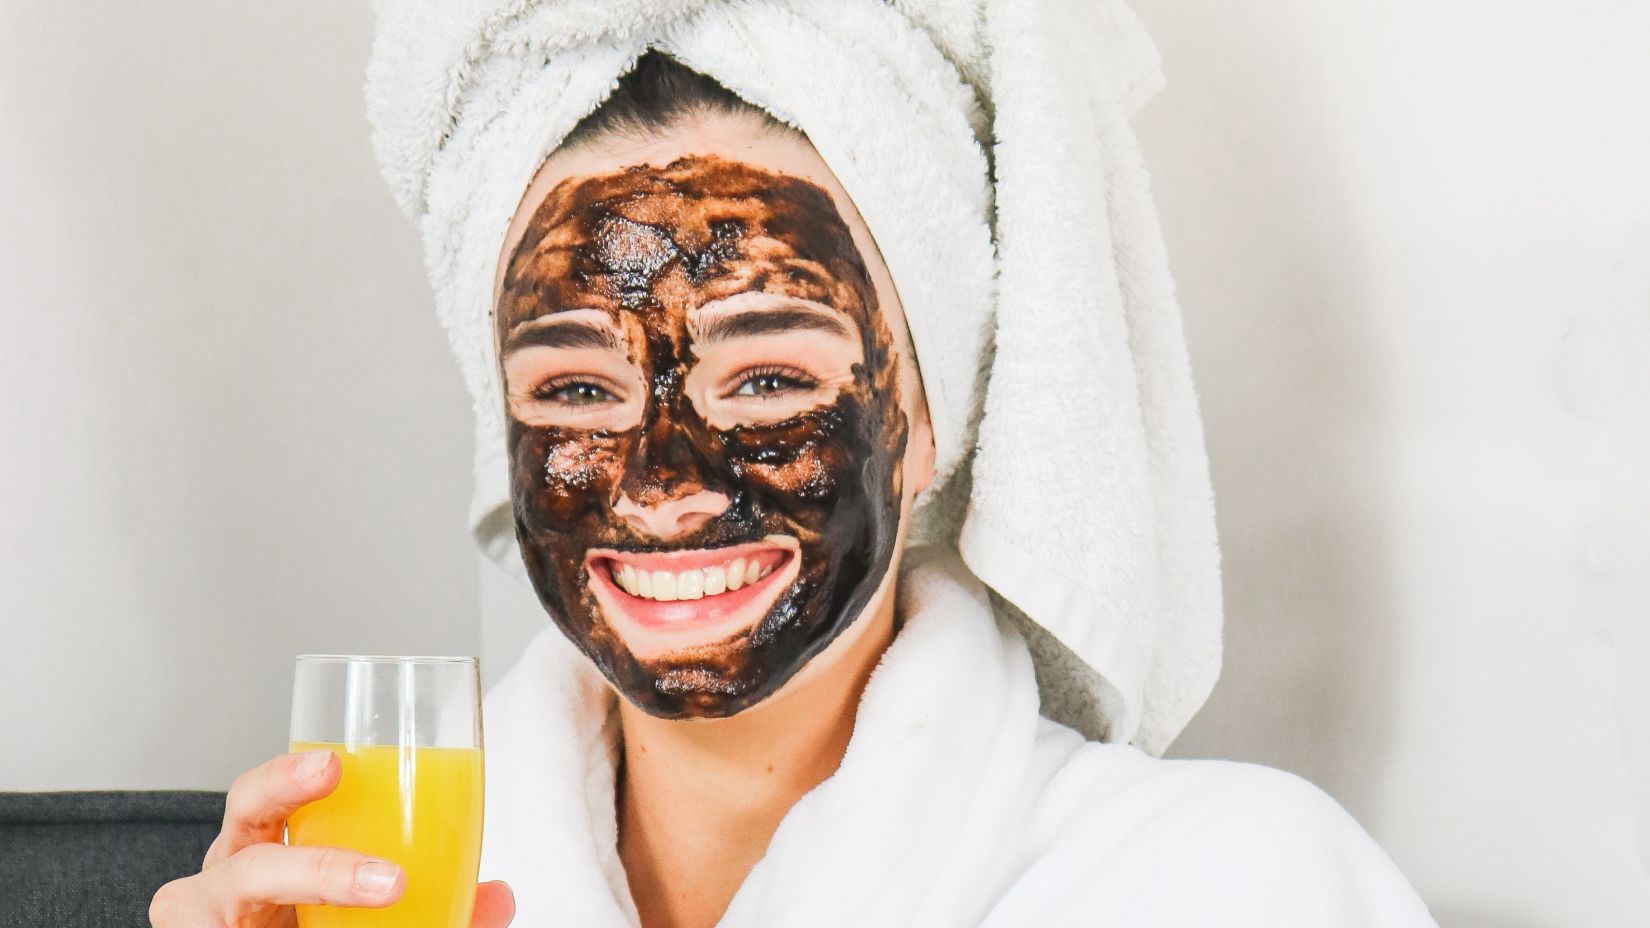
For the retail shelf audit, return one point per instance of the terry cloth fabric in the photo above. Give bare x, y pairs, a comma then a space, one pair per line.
956, 804
987, 146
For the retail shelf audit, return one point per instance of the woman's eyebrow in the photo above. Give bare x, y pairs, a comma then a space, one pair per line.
556, 332
769, 321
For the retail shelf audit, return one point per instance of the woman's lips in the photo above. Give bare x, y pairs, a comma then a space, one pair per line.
663, 602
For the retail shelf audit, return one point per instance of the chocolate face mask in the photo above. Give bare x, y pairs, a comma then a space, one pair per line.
704, 427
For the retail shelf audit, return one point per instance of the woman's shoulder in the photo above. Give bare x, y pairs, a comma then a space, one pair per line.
1128, 796
1094, 773
1175, 841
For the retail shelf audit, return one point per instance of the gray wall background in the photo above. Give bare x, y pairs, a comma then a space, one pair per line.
231, 431
1413, 244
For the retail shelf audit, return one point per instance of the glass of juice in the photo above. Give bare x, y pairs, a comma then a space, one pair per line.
408, 730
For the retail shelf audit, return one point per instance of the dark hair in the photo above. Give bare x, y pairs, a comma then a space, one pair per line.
658, 93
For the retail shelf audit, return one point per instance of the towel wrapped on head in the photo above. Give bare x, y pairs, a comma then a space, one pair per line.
986, 145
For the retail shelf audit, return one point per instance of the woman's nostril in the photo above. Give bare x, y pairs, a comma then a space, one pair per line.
667, 518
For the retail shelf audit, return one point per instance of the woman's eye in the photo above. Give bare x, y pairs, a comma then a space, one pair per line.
578, 393
769, 383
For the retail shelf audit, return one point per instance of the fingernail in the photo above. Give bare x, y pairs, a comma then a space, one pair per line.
376, 877
312, 764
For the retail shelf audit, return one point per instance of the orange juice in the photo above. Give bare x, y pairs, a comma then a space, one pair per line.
418, 807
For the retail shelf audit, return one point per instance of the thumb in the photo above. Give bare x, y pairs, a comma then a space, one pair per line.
495, 905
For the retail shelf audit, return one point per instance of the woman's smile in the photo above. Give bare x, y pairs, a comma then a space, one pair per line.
669, 601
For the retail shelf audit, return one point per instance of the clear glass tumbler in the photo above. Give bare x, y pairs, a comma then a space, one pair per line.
408, 730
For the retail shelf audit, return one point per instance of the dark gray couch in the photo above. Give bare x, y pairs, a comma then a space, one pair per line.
94, 859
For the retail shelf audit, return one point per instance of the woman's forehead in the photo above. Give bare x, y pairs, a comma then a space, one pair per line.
735, 140
697, 229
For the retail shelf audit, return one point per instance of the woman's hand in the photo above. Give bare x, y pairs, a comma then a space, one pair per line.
251, 880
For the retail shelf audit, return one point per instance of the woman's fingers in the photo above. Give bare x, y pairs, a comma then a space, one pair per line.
262, 798
495, 905
263, 876
272, 874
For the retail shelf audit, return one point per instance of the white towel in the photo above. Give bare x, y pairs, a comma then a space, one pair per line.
955, 804
986, 144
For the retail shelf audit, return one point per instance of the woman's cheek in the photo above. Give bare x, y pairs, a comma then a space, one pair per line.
582, 465
804, 471
805, 476
561, 475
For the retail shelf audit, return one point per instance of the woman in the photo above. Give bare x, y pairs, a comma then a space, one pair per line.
756, 706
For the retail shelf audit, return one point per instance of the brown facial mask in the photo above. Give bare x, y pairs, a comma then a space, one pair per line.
700, 384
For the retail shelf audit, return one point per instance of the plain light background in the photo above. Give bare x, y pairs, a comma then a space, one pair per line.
1413, 246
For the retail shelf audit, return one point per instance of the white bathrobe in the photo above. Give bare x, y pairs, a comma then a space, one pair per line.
956, 804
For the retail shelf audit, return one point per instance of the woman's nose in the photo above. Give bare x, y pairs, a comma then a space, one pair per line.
668, 518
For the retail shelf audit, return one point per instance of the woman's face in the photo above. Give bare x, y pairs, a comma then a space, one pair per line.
706, 433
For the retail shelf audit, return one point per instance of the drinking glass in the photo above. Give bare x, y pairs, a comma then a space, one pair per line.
408, 730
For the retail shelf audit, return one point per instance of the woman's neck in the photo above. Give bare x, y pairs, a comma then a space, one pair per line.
699, 800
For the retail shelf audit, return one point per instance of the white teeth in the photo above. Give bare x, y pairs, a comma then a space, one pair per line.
665, 586
690, 584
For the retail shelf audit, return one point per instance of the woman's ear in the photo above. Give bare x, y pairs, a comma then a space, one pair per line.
919, 451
